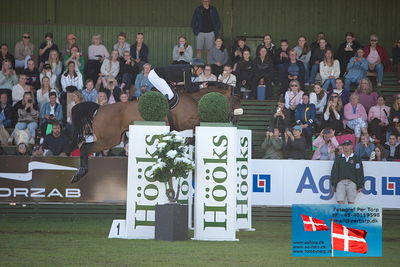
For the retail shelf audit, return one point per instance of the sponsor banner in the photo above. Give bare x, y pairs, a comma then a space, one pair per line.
290, 182
47, 179
143, 192
186, 191
215, 190
244, 180
335, 230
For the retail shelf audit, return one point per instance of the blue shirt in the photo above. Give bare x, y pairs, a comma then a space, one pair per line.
90, 96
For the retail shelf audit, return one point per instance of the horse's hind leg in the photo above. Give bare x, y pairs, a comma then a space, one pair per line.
84, 162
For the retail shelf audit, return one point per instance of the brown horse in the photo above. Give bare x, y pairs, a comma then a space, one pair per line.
110, 122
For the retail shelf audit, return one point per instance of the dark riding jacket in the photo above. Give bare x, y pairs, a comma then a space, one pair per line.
178, 73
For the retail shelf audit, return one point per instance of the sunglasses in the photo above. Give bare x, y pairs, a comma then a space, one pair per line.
373, 40
293, 85
26, 37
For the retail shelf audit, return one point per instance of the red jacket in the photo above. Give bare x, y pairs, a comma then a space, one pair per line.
382, 54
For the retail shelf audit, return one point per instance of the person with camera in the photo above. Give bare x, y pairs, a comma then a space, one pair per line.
273, 144
227, 77
71, 41
281, 118
326, 145
56, 143
128, 71
182, 53
305, 117
379, 154
50, 112
27, 115
333, 113
75, 56
47, 72
295, 143
347, 175
45, 48
356, 69
347, 50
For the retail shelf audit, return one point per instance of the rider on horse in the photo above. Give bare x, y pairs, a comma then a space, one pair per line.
163, 77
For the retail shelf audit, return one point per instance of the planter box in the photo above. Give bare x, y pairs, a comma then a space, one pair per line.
171, 222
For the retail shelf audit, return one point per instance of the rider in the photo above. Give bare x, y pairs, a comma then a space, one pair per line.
162, 77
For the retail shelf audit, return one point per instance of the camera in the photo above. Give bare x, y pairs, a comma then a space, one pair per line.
278, 110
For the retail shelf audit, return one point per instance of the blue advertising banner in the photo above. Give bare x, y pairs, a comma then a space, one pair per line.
351, 230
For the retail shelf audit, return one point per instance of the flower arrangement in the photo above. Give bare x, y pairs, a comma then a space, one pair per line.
172, 162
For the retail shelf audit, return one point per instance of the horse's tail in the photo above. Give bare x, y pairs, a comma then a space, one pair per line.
82, 118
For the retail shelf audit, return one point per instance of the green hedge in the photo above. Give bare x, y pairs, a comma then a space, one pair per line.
153, 106
214, 107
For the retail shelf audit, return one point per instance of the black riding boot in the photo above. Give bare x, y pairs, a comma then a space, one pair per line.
84, 163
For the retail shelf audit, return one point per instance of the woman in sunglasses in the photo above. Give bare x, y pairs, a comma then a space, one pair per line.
377, 57
23, 51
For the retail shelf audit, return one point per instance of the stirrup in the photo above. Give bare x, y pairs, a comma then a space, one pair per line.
174, 101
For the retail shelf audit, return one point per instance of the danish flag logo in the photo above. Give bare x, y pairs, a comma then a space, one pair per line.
348, 239
313, 224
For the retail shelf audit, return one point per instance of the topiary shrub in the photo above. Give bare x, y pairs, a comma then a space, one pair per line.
214, 107
153, 106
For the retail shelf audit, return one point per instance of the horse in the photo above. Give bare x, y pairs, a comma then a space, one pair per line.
109, 123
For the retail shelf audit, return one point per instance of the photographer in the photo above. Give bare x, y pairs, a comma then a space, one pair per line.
75, 56
281, 118
326, 145
182, 52
295, 143
49, 113
273, 144
128, 71
46, 47
27, 116
227, 77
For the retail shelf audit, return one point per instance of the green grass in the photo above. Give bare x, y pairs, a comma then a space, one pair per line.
83, 242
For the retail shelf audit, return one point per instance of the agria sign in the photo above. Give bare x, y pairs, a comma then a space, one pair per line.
388, 185
24, 186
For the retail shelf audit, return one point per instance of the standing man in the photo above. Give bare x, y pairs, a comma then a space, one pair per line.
205, 25
347, 175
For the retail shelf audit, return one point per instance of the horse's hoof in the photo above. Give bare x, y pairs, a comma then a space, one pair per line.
79, 174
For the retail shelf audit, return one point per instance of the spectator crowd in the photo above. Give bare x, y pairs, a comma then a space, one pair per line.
38, 88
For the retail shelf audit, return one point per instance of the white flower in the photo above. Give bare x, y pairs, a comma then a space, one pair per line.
174, 132
172, 153
178, 139
167, 138
184, 160
161, 145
